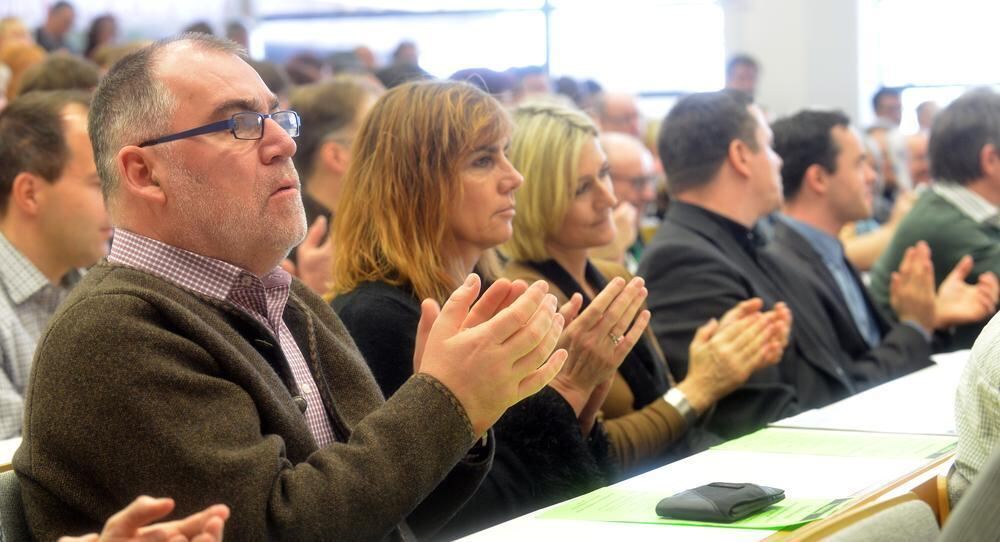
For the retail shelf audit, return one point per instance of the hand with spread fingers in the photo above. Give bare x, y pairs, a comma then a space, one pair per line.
499, 296
494, 354
958, 302
725, 352
131, 524
598, 339
911, 290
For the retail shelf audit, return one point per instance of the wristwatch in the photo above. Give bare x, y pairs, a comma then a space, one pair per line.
679, 401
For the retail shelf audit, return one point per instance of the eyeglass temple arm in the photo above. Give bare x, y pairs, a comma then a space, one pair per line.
206, 129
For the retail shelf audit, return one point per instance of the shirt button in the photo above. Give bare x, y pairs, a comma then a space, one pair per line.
246, 281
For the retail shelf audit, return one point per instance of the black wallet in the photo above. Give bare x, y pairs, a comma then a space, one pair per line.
719, 502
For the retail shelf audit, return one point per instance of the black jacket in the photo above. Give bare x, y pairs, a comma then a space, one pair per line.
903, 349
698, 267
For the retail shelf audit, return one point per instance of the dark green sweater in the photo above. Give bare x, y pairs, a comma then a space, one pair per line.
141, 387
951, 234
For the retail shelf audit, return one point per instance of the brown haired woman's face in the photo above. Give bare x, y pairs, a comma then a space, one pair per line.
482, 218
588, 223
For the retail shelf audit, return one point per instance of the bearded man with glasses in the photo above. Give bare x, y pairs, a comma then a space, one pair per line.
190, 364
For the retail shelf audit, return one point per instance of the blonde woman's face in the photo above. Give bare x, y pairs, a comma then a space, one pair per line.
483, 217
588, 222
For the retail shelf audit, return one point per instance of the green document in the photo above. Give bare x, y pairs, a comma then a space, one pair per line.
779, 440
619, 505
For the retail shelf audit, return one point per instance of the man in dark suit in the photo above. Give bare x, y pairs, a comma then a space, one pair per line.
828, 182
723, 177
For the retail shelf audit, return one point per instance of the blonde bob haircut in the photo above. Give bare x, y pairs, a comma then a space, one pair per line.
546, 147
392, 223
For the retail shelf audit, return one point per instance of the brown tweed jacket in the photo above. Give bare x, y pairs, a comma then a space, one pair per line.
140, 387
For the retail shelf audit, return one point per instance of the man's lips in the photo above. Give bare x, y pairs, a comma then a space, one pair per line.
286, 186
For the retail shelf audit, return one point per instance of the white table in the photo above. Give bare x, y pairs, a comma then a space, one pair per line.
919, 403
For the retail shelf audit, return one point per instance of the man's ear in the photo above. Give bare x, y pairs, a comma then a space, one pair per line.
989, 161
816, 179
739, 157
335, 157
27, 193
139, 174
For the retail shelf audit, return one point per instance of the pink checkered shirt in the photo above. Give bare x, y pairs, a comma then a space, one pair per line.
262, 298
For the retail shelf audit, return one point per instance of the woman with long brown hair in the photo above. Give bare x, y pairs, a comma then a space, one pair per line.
429, 193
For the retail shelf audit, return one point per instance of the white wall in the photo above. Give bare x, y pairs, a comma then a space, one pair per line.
810, 52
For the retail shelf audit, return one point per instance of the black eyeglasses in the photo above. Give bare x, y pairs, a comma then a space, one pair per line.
245, 125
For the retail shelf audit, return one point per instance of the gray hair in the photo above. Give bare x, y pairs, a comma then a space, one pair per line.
130, 105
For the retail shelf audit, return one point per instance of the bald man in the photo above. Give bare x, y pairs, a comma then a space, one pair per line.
633, 176
618, 112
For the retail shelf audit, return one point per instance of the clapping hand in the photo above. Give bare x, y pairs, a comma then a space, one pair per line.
725, 352
597, 340
958, 302
911, 290
131, 524
490, 361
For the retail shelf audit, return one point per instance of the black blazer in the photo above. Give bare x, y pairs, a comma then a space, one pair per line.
903, 349
695, 269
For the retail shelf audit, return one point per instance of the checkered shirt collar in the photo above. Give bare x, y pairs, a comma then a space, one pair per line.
203, 275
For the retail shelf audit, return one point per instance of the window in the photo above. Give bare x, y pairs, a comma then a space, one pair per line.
935, 50
447, 42
655, 47
640, 45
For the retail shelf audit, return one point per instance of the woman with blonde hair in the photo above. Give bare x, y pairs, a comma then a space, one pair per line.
428, 194
565, 210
